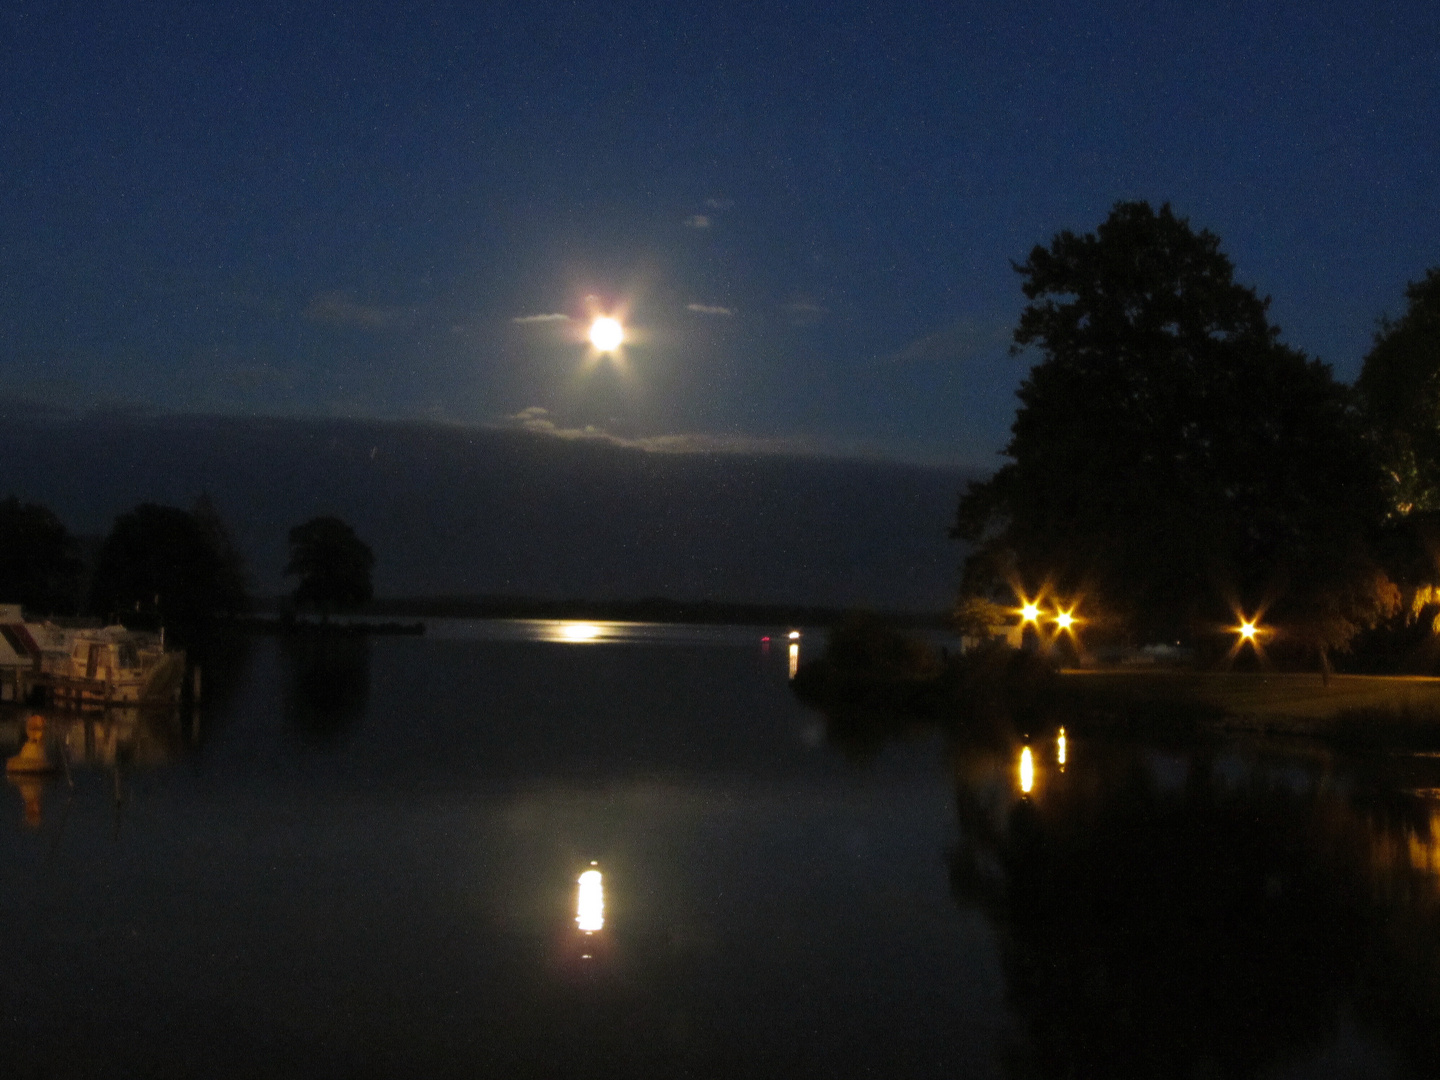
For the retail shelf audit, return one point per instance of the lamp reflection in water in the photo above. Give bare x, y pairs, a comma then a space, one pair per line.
590, 905
32, 789
794, 652
1060, 749
1027, 771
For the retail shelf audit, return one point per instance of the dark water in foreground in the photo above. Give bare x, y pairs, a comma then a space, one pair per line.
363, 862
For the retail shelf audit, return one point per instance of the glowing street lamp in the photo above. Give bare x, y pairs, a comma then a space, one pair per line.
1249, 631
1029, 612
1064, 620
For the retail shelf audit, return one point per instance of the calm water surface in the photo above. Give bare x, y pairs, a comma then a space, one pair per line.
363, 861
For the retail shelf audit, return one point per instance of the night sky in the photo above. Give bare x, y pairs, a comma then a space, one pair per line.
807, 213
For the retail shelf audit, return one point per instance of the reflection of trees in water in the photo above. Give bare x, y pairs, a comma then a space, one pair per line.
1200, 927
1192, 912
143, 737
117, 740
875, 685
223, 656
861, 733
327, 683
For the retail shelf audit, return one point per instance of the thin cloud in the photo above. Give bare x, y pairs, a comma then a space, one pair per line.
697, 221
527, 320
538, 421
719, 204
709, 309
962, 341
339, 309
805, 313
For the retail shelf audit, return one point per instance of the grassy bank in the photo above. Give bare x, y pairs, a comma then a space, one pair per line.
875, 679
1394, 712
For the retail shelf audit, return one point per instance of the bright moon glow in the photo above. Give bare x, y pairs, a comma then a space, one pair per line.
1030, 612
1027, 771
606, 334
579, 631
590, 908
1064, 620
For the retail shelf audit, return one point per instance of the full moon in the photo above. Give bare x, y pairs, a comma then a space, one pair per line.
606, 334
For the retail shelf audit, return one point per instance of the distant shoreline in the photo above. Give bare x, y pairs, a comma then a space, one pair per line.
653, 609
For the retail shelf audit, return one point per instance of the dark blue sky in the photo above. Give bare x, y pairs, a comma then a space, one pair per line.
809, 211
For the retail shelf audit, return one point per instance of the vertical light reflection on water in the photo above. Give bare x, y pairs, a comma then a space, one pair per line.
32, 791
1424, 851
794, 658
1027, 771
590, 904
1060, 748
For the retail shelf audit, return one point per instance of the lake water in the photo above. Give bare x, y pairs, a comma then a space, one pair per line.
362, 860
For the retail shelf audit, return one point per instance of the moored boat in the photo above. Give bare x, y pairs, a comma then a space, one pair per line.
93, 667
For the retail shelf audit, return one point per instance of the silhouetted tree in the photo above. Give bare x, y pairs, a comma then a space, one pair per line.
1399, 387
1399, 393
170, 561
38, 567
333, 565
217, 538
980, 617
1170, 458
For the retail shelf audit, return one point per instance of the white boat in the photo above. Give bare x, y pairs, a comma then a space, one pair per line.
113, 666
93, 667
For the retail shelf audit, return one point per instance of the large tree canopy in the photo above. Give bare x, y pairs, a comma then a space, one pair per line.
171, 561
1170, 458
333, 565
1399, 387
38, 567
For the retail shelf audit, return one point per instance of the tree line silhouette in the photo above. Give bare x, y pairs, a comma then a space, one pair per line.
173, 565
